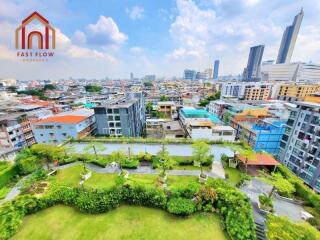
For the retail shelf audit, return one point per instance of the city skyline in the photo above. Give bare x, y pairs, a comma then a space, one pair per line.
119, 38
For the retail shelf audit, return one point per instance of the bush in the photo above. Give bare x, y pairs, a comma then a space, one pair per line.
266, 202
281, 228
188, 191
236, 211
206, 198
7, 174
181, 206
130, 164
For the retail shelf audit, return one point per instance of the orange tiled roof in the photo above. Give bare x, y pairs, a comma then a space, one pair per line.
63, 119
261, 159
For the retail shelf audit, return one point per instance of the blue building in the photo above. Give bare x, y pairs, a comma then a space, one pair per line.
289, 38
216, 69
190, 74
265, 135
252, 71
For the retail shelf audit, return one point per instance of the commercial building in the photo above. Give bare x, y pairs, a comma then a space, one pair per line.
289, 39
300, 145
216, 69
294, 92
58, 128
123, 116
252, 71
190, 74
292, 72
15, 131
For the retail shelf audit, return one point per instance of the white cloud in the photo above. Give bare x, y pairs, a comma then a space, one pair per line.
135, 13
79, 37
105, 32
136, 50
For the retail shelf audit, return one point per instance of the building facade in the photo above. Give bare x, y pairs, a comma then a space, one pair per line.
15, 131
250, 91
289, 38
252, 71
189, 74
59, 128
294, 92
300, 145
216, 69
122, 116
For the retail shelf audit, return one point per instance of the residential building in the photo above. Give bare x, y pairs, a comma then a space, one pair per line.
293, 92
216, 69
154, 127
124, 116
289, 38
300, 145
262, 135
58, 128
167, 108
173, 129
251, 91
15, 131
190, 74
252, 71
205, 129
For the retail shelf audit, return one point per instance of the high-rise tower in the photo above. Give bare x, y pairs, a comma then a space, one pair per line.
216, 69
252, 71
289, 38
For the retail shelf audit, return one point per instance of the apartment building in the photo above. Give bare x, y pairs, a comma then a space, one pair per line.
294, 92
58, 128
167, 108
300, 144
262, 135
251, 91
124, 116
15, 131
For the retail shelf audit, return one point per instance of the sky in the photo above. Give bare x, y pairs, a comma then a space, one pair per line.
111, 38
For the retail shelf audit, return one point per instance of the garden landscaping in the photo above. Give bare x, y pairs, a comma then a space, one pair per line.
126, 222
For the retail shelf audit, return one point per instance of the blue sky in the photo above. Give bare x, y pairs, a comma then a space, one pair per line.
115, 37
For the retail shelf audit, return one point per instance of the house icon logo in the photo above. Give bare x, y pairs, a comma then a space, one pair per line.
42, 39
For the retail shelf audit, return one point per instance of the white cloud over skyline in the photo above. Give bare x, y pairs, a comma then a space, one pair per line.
198, 32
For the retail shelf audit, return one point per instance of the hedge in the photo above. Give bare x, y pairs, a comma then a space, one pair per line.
302, 190
7, 174
234, 208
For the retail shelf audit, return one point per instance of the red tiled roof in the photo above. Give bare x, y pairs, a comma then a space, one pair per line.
63, 119
260, 159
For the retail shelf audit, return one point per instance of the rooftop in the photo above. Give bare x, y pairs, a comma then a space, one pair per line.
199, 113
258, 159
68, 119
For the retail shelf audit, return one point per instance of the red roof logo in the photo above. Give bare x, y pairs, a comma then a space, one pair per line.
26, 40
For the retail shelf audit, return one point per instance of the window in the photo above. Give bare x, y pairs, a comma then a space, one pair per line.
118, 124
109, 111
111, 124
110, 118
51, 134
41, 135
59, 126
116, 111
117, 118
64, 134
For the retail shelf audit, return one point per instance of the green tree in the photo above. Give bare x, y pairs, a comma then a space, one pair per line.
27, 161
93, 88
48, 152
119, 157
165, 160
164, 98
149, 107
48, 87
12, 89
201, 153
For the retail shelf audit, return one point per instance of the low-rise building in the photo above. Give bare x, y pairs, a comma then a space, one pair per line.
56, 129
294, 92
15, 131
167, 108
173, 129
154, 127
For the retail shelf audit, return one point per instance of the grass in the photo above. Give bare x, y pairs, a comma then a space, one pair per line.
234, 175
71, 176
126, 222
191, 167
4, 191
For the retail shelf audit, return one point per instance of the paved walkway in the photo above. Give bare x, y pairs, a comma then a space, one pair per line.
15, 191
282, 208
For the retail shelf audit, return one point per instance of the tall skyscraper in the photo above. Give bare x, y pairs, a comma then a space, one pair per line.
216, 69
252, 71
189, 74
289, 38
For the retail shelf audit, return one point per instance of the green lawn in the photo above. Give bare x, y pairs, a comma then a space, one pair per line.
126, 222
234, 174
71, 176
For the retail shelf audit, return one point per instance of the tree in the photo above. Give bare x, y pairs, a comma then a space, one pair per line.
93, 88
165, 160
96, 147
49, 87
206, 101
201, 153
149, 107
27, 162
48, 152
164, 98
12, 89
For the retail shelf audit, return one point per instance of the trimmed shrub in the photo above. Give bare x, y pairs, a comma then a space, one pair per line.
130, 164
7, 175
188, 191
181, 206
